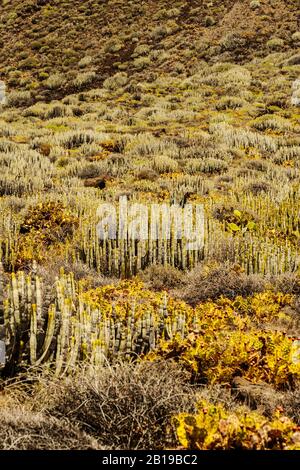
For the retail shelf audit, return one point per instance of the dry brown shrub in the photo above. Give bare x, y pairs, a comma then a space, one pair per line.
128, 406
159, 277
23, 429
291, 404
227, 280
288, 282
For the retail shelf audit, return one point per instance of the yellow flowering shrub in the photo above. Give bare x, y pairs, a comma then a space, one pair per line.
214, 428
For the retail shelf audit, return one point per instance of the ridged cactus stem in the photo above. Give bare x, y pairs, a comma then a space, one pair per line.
33, 333
49, 334
15, 299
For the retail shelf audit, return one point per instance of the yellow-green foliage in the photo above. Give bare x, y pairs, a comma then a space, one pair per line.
214, 428
48, 219
230, 338
120, 299
45, 227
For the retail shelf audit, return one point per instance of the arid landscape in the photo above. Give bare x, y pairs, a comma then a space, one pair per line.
148, 344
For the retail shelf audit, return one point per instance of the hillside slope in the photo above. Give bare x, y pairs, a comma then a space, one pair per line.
40, 38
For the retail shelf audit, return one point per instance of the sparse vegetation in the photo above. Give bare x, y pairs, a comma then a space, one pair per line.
149, 343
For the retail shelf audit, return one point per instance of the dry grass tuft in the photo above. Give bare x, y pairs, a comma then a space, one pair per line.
159, 277
22, 429
128, 406
227, 280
